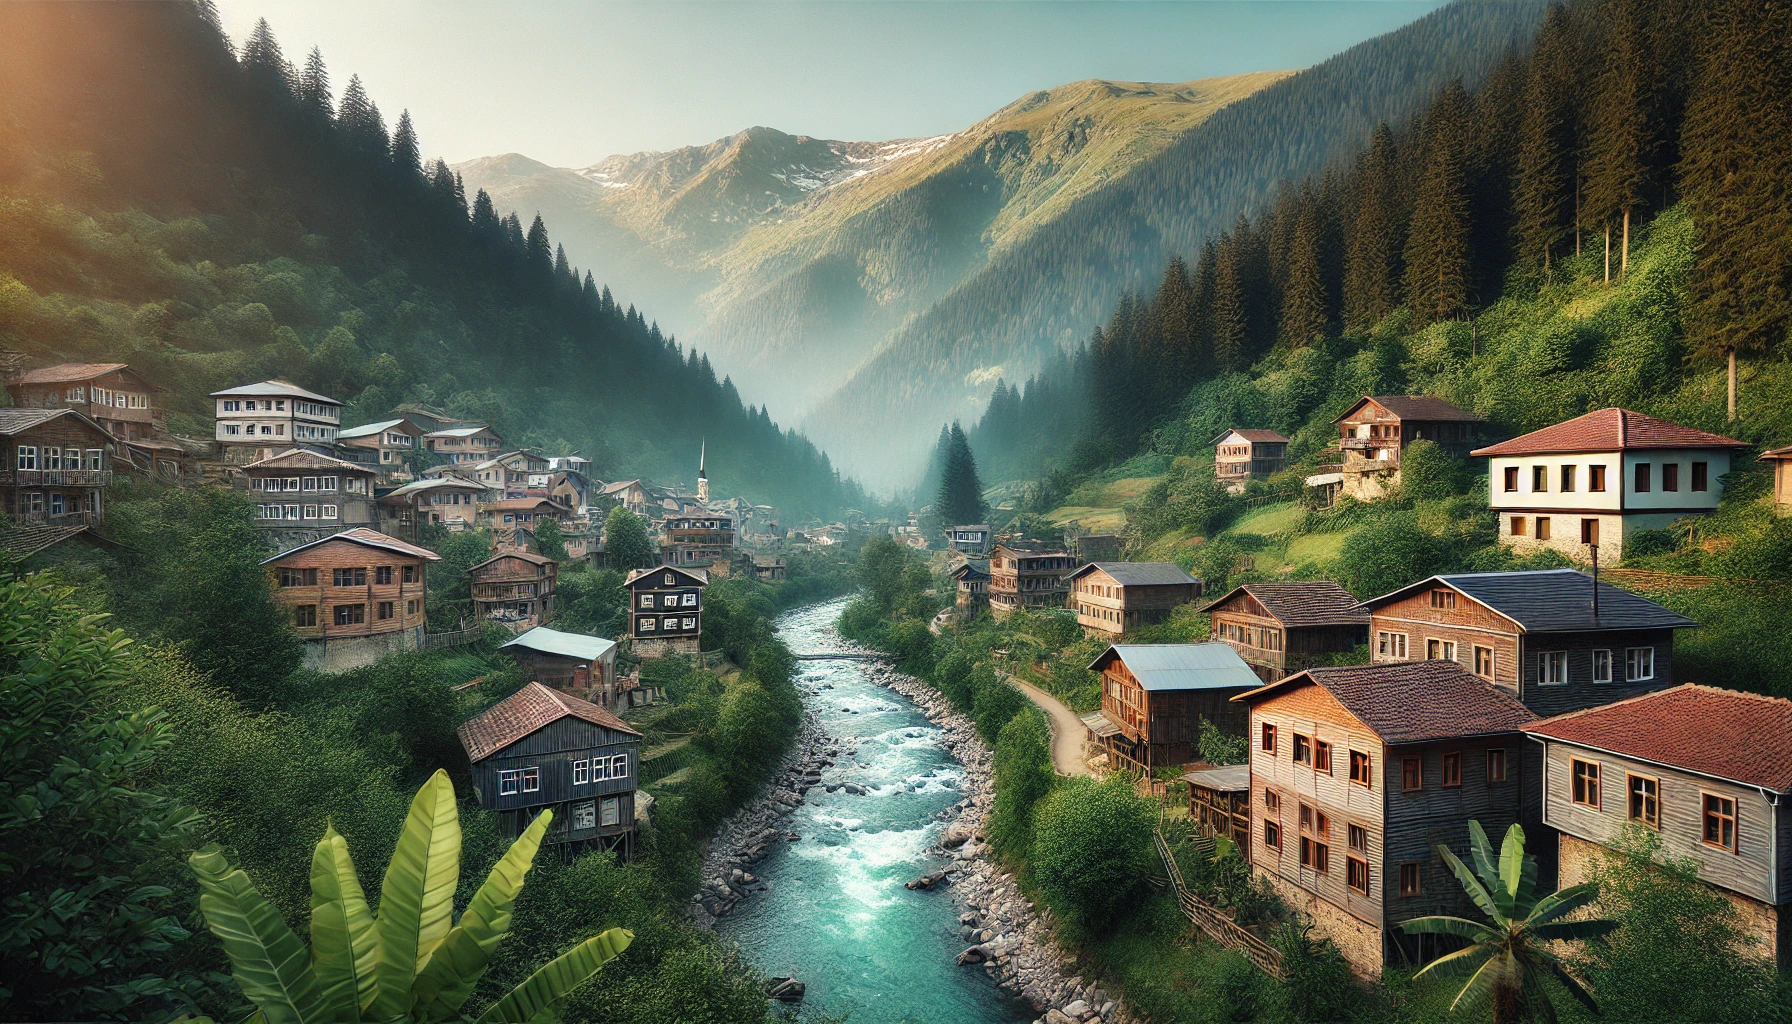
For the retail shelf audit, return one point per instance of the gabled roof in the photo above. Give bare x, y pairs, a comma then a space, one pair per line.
435, 483
370, 429
620, 485
366, 538
1138, 574
467, 431
1550, 601
1609, 430
1778, 453
1311, 603
1414, 407
531, 558
971, 569
567, 645
300, 458
521, 505
1411, 702
699, 576
526, 711
72, 373
273, 389
1208, 666
1724, 734
499, 459
13, 421
1250, 434
1231, 778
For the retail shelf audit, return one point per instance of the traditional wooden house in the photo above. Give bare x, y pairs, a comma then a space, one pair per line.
301, 496
972, 540
1219, 803
630, 494
1782, 477
121, 400
972, 583
767, 568
1706, 770
514, 589
392, 442
1280, 628
54, 467
256, 420
1113, 598
1027, 579
666, 610
540, 749
704, 540
510, 474
1375, 431
465, 444
1553, 638
510, 513
575, 663
1595, 480
1154, 697
353, 597
1243, 454
1358, 774
445, 500
1095, 547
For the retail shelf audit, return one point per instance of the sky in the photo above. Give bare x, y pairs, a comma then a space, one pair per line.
569, 82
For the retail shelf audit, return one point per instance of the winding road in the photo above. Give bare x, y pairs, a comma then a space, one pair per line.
1067, 728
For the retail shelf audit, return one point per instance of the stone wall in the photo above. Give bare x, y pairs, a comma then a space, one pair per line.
340, 654
1359, 941
659, 647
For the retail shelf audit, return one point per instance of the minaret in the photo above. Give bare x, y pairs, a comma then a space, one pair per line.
702, 477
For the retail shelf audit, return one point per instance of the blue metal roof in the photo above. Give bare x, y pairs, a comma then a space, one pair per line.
566, 645
1208, 666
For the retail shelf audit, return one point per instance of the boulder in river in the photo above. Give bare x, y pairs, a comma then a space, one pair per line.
786, 990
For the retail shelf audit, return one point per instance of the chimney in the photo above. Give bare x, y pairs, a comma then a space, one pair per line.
1623, 432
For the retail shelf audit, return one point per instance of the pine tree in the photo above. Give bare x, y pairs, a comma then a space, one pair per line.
406, 158
1372, 256
1543, 194
960, 497
536, 252
484, 224
363, 130
1622, 131
1202, 289
513, 237
1303, 292
314, 89
1231, 316
1438, 266
264, 64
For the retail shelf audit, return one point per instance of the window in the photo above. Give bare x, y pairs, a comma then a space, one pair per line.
309, 483
584, 815
647, 625
612, 810
304, 615
1268, 741
690, 623
1409, 880
1639, 664
1596, 478
1496, 764
671, 624
507, 783
1585, 782
1511, 478
52, 458
581, 773
669, 579
1641, 483
1412, 774
328, 511
690, 600
1602, 666
1552, 667
349, 577
1356, 873
329, 483
298, 577
310, 511
410, 574
95, 458
647, 600
1539, 478
1720, 822
619, 766
1567, 478
1452, 769
1360, 767
1440, 650
1443, 599
1701, 476
27, 456
1543, 530
351, 614
1670, 476
1589, 531
1322, 756
1484, 662
1644, 804
1272, 834
292, 511
1315, 855
1515, 526
382, 575
1303, 749
410, 607
1392, 645
291, 483
385, 609
57, 504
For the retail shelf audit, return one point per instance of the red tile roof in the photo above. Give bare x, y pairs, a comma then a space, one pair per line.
1414, 701
1725, 734
1423, 408
1609, 430
531, 708
68, 373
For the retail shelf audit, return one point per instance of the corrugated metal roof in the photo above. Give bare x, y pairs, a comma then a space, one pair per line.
1100, 724
1551, 601
366, 429
1232, 778
531, 708
1208, 666
1138, 574
458, 431
566, 645
300, 458
273, 389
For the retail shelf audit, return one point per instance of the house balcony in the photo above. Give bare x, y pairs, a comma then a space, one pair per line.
56, 477
73, 518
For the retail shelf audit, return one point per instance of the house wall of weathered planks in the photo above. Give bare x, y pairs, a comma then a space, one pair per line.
588, 680
1292, 648
1162, 727
31, 494
1105, 606
552, 749
126, 423
513, 590
406, 598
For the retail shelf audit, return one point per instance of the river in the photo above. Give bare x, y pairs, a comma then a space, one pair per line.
838, 917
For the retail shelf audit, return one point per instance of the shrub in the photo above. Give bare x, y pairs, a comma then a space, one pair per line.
952, 677
1092, 849
1389, 554
1317, 985
1023, 776
993, 706
1429, 472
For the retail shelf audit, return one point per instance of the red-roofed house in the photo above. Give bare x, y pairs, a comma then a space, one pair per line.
1706, 769
113, 395
1598, 479
1241, 455
1375, 431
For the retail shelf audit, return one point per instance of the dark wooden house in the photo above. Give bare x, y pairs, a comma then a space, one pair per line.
1357, 775
704, 540
1219, 803
1113, 598
514, 589
575, 663
1241, 455
971, 580
390, 444
540, 749
121, 400
1154, 696
1019, 578
301, 495
1280, 628
54, 466
666, 610
1375, 431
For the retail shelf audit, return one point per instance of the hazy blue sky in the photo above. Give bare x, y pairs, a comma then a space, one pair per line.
571, 82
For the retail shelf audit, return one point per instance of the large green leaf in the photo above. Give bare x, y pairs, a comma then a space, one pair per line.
454, 968
560, 976
1512, 865
267, 960
1463, 961
344, 951
1562, 902
1471, 884
1461, 927
417, 896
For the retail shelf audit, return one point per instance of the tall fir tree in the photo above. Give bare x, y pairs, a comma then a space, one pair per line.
1231, 309
1372, 254
358, 119
314, 89
407, 158
1304, 301
267, 69
960, 499
1622, 124
1438, 267
1543, 193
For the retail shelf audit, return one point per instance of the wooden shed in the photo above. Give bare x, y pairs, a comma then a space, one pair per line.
575, 663
1154, 696
1219, 803
1284, 627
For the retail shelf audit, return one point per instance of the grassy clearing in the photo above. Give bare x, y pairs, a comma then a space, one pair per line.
1270, 520
1093, 520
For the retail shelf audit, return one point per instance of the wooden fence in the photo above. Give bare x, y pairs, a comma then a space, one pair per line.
455, 638
1216, 925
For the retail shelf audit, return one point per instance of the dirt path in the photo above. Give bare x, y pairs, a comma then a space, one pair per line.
1067, 728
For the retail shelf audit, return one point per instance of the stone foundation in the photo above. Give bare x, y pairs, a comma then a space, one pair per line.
659, 647
1359, 941
341, 654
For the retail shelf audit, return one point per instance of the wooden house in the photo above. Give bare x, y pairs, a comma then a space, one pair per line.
666, 610
301, 496
353, 597
584, 666
1154, 696
1782, 477
1280, 628
768, 568
1243, 454
705, 540
1027, 579
1706, 770
392, 444
445, 500
971, 540
121, 400
510, 474
1375, 431
54, 467
1357, 774
630, 494
510, 513
540, 749
1551, 637
971, 580
1219, 803
1596, 480
1113, 598
256, 420
514, 589
464, 444
1095, 547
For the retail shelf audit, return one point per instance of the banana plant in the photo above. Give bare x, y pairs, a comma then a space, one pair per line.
411, 962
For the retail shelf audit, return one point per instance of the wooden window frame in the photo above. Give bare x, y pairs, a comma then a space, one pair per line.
1701, 476
1670, 477
1539, 479
1411, 870
1545, 529
1362, 769
1302, 744
1631, 799
1451, 769
1356, 874
304, 616
1267, 738
1636, 652
1543, 658
1510, 479
1322, 755
1639, 481
1385, 643
1610, 675
1412, 761
1516, 527
1446, 649
1315, 856
1442, 598
1568, 476
1504, 763
1596, 478
1734, 818
1578, 784
1492, 664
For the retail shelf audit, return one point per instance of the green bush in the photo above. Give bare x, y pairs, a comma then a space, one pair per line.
1429, 472
1388, 554
1023, 776
994, 705
952, 677
1092, 849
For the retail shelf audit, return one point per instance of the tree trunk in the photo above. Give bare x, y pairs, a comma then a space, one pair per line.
1732, 383
1507, 1005
1624, 257
1608, 252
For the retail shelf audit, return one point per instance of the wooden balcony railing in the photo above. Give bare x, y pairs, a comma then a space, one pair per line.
56, 477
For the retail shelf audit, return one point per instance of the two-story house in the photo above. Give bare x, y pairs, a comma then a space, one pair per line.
1280, 628
464, 444
630, 494
1357, 774
510, 513
1155, 696
666, 610
1027, 579
540, 749
445, 500
1243, 454
1705, 770
301, 496
1113, 598
54, 466
508, 474
971, 540
392, 443
514, 589
121, 400
575, 663
1595, 480
971, 581
704, 540
353, 597
256, 420
1374, 432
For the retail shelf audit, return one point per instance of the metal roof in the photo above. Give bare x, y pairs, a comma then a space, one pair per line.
699, 576
1208, 666
459, 431
1138, 574
1551, 601
567, 645
366, 429
1099, 724
1232, 778
71, 373
300, 458
434, 483
275, 389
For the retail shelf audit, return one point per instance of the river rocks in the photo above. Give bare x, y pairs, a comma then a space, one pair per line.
787, 990
927, 881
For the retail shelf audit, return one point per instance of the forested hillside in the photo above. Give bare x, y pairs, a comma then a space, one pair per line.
215, 218
1047, 293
